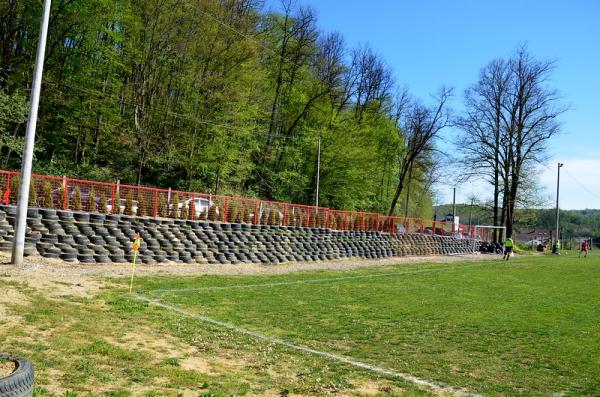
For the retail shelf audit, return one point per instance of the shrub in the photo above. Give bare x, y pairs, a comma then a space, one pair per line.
273, 218
212, 213
77, 199
162, 206
62, 194
332, 222
142, 207
128, 203
102, 203
232, 215
247, 215
48, 200
192, 210
203, 215
91, 204
175, 206
116, 207
32, 194
14, 189
183, 214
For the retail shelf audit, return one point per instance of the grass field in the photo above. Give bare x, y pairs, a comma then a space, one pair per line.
530, 326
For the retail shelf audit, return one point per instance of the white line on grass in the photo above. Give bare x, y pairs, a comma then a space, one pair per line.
314, 280
436, 386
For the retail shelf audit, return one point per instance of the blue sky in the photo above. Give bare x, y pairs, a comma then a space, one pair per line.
433, 43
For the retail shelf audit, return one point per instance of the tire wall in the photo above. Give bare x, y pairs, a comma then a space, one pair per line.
97, 238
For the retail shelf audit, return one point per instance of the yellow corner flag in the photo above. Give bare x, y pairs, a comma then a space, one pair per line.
136, 248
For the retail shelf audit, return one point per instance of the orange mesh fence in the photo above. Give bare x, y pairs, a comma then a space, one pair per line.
110, 198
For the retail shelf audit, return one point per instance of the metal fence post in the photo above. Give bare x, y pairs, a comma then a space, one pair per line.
155, 202
65, 193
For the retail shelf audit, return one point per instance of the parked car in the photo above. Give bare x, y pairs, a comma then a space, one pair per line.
201, 204
57, 194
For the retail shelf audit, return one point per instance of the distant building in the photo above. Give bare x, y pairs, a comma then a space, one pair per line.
541, 235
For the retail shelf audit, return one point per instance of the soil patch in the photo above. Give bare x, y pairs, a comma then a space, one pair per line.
6, 368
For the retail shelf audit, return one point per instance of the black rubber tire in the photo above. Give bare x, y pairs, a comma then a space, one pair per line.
20, 382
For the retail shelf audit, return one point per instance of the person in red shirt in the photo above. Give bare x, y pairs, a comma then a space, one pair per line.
584, 249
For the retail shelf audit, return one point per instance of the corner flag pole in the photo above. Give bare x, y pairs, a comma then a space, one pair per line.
19, 241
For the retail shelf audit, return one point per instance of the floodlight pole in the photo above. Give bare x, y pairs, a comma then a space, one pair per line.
557, 209
318, 171
23, 198
453, 207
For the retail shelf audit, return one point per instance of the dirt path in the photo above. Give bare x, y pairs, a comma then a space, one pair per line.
61, 278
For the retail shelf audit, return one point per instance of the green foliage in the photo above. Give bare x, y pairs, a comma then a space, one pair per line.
91, 203
214, 112
212, 213
128, 203
76, 199
162, 206
116, 205
175, 206
102, 203
33, 194
248, 212
192, 211
48, 199
183, 213
142, 207
62, 193
14, 189
203, 215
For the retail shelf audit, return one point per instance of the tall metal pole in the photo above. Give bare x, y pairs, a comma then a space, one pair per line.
453, 207
318, 171
21, 220
471, 215
557, 210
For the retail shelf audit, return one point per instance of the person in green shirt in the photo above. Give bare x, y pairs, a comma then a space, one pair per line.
557, 248
508, 248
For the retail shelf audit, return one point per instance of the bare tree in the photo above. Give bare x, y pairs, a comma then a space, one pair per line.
530, 120
419, 126
511, 115
371, 80
482, 124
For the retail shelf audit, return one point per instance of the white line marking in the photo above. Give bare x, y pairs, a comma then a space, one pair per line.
436, 386
316, 280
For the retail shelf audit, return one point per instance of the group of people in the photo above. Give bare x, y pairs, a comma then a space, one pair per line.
509, 244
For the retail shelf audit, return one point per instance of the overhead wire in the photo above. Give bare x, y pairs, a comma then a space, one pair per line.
595, 195
585, 188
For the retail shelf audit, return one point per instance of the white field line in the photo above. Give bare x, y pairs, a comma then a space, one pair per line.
318, 280
436, 386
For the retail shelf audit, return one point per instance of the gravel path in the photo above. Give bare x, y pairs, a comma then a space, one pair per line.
56, 268
60, 278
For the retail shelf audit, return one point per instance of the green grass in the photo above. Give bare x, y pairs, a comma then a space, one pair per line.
530, 326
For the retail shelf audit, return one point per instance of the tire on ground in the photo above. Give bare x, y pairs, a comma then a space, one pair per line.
20, 382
